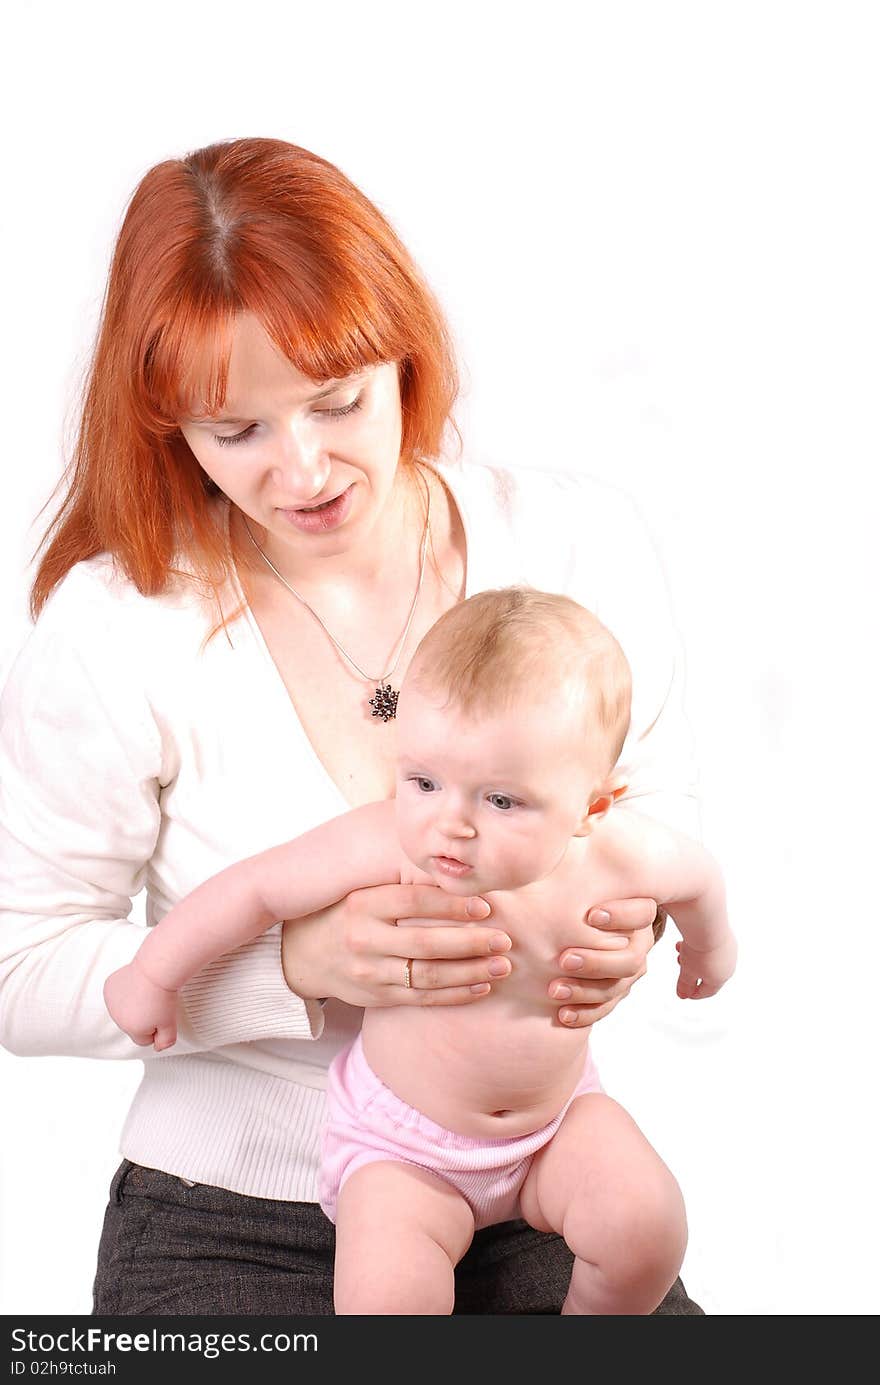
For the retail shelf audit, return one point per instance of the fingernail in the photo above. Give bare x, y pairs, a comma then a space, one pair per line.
481, 988
572, 963
599, 917
499, 967
478, 908
568, 1016
561, 992
499, 942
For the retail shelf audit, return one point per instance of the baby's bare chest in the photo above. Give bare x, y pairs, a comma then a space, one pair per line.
541, 920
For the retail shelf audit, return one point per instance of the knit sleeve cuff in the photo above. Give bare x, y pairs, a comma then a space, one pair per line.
243, 997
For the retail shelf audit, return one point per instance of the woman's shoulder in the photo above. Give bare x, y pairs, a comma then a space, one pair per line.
95, 586
97, 618
525, 491
564, 515
97, 592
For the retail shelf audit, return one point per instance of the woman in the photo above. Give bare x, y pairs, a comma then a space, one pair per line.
257, 532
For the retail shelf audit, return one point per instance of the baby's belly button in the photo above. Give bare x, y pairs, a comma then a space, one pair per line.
510, 1122
511, 1105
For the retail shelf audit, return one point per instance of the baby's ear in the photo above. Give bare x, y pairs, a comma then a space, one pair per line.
601, 803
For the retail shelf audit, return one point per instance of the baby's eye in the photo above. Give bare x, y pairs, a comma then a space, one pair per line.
501, 800
424, 785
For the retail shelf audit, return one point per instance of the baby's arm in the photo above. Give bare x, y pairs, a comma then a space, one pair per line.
354, 851
697, 901
679, 873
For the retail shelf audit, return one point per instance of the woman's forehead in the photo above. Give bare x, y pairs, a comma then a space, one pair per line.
246, 360
245, 371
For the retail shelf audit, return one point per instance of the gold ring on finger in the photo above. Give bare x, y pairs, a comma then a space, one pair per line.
407, 974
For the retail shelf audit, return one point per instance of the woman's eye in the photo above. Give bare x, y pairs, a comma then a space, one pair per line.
341, 411
232, 439
501, 800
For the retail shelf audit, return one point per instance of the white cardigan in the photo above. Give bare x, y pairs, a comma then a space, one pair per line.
133, 754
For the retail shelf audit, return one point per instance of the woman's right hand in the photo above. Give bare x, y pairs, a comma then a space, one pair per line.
358, 949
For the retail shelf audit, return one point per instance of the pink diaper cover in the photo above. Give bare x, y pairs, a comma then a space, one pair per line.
366, 1123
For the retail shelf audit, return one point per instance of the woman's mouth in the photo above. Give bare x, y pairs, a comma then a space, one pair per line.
317, 519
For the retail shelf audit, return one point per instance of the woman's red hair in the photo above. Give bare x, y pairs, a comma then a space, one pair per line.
250, 225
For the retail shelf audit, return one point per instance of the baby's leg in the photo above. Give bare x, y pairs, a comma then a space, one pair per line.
400, 1232
601, 1186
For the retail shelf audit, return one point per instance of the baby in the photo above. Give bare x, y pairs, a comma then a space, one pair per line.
442, 1120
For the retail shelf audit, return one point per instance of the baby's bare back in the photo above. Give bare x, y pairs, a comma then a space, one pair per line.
504, 1065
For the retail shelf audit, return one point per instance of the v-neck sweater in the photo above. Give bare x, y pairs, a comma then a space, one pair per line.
137, 753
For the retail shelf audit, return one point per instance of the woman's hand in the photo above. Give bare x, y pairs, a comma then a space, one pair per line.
358, 949
599, 971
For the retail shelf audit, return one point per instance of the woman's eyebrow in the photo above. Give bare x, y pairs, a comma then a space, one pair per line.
212, 420
335, 385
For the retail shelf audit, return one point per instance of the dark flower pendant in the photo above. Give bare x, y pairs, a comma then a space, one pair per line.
384, 704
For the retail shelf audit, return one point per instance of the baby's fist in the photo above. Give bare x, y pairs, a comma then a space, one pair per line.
144, 1011
702, 974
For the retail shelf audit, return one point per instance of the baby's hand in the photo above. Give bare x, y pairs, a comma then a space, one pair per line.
704, 973
147, 1013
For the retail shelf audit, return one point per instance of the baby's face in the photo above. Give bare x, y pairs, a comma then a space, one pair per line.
489, 803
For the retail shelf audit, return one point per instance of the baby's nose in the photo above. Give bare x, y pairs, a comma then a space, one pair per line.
458, 827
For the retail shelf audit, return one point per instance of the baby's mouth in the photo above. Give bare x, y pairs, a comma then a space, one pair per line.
451, 865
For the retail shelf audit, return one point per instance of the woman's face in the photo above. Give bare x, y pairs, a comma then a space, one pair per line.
286, 444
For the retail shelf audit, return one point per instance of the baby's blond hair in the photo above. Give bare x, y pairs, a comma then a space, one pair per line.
519, 645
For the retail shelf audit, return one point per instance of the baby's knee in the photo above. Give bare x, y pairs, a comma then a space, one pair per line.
639, 1234
651, 1235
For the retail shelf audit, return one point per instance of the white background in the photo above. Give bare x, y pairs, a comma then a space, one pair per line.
655, 233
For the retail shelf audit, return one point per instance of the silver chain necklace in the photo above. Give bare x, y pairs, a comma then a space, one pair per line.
384, 702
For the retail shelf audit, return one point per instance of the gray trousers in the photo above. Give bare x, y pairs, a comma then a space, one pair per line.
171, 1249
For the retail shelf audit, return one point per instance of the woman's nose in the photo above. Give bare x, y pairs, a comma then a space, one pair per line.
303, 466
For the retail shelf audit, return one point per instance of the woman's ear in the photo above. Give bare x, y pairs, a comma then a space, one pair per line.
600, 804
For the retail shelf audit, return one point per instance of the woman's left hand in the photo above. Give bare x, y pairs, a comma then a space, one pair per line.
599, 971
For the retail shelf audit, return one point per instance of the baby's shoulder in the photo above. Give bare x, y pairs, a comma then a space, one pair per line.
585, 876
